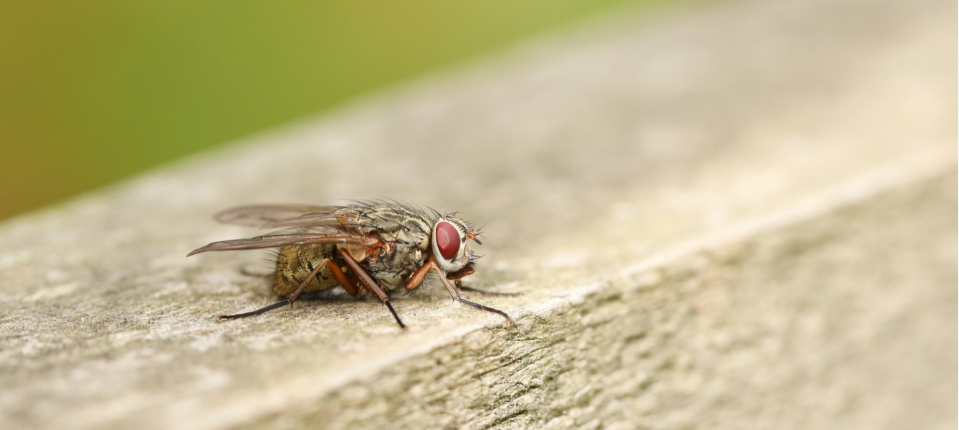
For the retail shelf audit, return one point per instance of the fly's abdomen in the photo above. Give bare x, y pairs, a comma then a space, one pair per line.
295, 263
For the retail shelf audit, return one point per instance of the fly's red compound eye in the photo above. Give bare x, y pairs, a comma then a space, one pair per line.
447, 240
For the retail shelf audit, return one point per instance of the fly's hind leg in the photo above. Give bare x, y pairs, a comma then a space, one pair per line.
256, 312
337, 274
334, 268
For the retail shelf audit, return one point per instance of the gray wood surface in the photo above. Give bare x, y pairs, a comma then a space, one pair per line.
725, 215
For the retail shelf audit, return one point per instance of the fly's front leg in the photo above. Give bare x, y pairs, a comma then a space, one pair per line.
456, 296
370, 283
462, 273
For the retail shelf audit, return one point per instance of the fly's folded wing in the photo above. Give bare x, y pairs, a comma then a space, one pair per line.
280, 216
290, 236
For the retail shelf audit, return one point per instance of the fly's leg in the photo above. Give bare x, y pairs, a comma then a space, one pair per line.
421, 273
370, 284
292, 297
418, 277
459, 284
337, 274
462, 273
256, 312
469, 270
345, 282
457, 297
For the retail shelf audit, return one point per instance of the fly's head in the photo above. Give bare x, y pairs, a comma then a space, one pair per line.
449, 243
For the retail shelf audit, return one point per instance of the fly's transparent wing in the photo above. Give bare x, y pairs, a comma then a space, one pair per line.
290, 236
280, 216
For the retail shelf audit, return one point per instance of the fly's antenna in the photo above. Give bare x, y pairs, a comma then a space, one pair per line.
484, 225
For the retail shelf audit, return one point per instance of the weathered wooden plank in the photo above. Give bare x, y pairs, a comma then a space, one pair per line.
740, 215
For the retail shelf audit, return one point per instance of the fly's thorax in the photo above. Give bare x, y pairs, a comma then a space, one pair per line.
392, 269
392, 223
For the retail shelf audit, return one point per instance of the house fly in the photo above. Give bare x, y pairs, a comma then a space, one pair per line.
380, 248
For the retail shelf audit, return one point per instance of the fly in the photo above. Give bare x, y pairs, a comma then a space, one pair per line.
365, 248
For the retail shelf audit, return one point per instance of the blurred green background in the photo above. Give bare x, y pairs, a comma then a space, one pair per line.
95, 91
